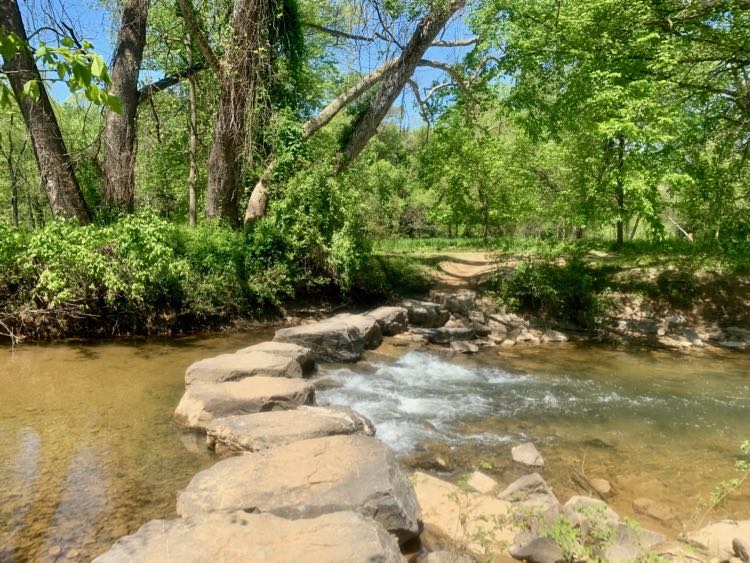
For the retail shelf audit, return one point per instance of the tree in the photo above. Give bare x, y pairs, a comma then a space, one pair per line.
64, 193
119, 126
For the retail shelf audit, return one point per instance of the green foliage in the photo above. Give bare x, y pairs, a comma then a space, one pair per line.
312, 238
78, 66
557, 286
724, 489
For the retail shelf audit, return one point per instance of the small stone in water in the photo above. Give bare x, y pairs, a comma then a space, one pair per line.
73, 553
601, 486
55, 550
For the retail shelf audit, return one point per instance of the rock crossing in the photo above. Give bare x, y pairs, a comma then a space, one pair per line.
312, 484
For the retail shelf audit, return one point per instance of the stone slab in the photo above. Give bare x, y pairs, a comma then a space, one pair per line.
309, 478
202, 403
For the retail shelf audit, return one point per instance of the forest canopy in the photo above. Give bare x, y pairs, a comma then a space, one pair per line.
263, 146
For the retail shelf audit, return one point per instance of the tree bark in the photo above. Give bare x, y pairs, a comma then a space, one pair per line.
394, 82
620, 192
238, 80
55, 166
119, 129
193, 137
258, 202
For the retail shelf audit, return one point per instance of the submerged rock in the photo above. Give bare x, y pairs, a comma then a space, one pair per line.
426, 314
233, 367
392, 320
239, 536
309, 478
329, 340
527, 454
260, 431
464, 347
303, 356
202, 403
656, 510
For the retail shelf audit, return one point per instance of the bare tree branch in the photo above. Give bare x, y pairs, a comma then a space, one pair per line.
168, 81
194, 28
456, 43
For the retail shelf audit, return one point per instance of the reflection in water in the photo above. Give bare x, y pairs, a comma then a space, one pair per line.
656, 425
89, 450
21, 470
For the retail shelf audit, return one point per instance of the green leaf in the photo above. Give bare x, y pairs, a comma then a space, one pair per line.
97, 66
31, 90
67, 42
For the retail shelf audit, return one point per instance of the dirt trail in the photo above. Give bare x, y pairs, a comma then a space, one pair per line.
458, 269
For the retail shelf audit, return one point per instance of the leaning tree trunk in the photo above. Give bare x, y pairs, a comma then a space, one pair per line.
119, 129
239, 77
55, 166
367, 123
258, 202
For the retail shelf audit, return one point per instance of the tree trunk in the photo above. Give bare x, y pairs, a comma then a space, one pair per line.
119, 129
55, 166
13, 192
394, 82
193, 137
238, 79
258, 202
620, 192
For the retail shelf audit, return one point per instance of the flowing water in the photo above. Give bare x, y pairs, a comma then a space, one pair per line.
662, 426
88, 451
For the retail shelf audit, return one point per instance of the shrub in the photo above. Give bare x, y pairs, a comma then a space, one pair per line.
562, 288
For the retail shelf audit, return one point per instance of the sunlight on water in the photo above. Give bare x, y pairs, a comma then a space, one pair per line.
657, 425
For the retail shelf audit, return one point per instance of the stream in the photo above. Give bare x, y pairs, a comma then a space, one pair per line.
89, 450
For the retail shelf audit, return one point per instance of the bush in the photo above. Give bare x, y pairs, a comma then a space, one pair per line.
554, 287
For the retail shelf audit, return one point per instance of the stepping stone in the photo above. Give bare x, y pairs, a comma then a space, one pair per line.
392, 320
255, 432
233, 367
303, 356
239, 536
309, 478
202, 403
425, 313
368, 327
329, 340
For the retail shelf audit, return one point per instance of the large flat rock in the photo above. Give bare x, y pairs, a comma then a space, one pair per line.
237, 536
329, 340
255, 432
457, 519
233, 367
202, 403
392, 320
309, 478
303, 356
